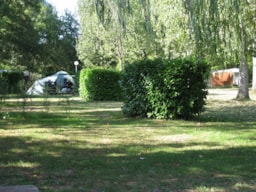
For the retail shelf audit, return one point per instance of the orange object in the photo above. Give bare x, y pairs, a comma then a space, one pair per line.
227, 77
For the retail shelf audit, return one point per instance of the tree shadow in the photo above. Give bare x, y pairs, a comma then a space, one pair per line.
74, 165
65, 166
228, 112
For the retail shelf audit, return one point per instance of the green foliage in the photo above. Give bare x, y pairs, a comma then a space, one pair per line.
34, 38
58, 41
18, 34
184, 89
224, 32
76, 78
133, 81
3, 84
165, 89
11, 82
83, 79
100, 85
131, 33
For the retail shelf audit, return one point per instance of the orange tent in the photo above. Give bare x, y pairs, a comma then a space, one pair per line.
227, 77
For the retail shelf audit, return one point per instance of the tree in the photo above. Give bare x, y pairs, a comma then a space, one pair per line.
221, 31
216, 24
33, 37
217, 27
123, 31
254, 68
18, 34
253, 18
58, 41
168, 19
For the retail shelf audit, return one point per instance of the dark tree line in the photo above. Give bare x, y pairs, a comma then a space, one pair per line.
33, 37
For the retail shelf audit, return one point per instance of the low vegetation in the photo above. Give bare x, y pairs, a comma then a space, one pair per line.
67, 144
165, 89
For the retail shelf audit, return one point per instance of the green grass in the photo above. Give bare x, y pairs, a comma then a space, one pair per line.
65, 144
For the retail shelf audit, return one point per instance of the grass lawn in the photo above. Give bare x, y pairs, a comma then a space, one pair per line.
68, 145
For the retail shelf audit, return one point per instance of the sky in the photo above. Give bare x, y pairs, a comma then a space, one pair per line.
62, 5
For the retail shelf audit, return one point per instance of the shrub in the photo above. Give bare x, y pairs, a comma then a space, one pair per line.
100, 84
82, 83
3, 84
133, 84
11, 82
165, 89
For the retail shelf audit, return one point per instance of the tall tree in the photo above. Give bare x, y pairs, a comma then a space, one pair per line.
168, 19
18, 34
123, 31
106, 31
222, 31
33, 37
215, 23
58, 36
253, 19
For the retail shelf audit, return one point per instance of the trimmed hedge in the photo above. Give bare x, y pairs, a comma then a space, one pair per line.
11, 82
133, 86
164, 89
100, 85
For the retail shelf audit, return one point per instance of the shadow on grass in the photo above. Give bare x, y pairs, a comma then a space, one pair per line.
216, 111
229, 111
97, 114
64, 166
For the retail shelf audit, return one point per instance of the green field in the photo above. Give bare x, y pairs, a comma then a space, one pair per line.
66, 144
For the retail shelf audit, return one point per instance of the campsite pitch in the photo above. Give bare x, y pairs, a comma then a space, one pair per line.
79, 146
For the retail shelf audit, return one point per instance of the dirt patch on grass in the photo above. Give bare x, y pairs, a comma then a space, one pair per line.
221, 105
226, 94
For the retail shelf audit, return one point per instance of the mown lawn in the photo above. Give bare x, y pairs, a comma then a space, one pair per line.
66, 144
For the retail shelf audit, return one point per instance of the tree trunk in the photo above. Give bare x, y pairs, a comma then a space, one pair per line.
243, 91
254, 67
254, 74
120, 64
119, 49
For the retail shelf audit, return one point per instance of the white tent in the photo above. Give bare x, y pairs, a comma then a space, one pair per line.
57, 80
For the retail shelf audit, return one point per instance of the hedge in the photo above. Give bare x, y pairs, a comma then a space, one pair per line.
165, 89
100, 85
11, 82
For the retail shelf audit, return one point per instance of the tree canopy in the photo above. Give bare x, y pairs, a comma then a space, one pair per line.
33, 37
119, 32
222, 32
225, 31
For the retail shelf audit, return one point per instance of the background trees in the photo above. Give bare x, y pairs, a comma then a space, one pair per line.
118, 32
225, 31
58, 41
33, 37
18, 34
222, 32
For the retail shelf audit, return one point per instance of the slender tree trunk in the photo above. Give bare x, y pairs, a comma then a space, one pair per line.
119, 49
254, 67
243, 91
254, 74
120, 64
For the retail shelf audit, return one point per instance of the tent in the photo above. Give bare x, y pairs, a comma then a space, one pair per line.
60, 82
226, 77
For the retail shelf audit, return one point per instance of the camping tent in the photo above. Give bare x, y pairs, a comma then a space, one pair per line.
61, 81
226, 77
